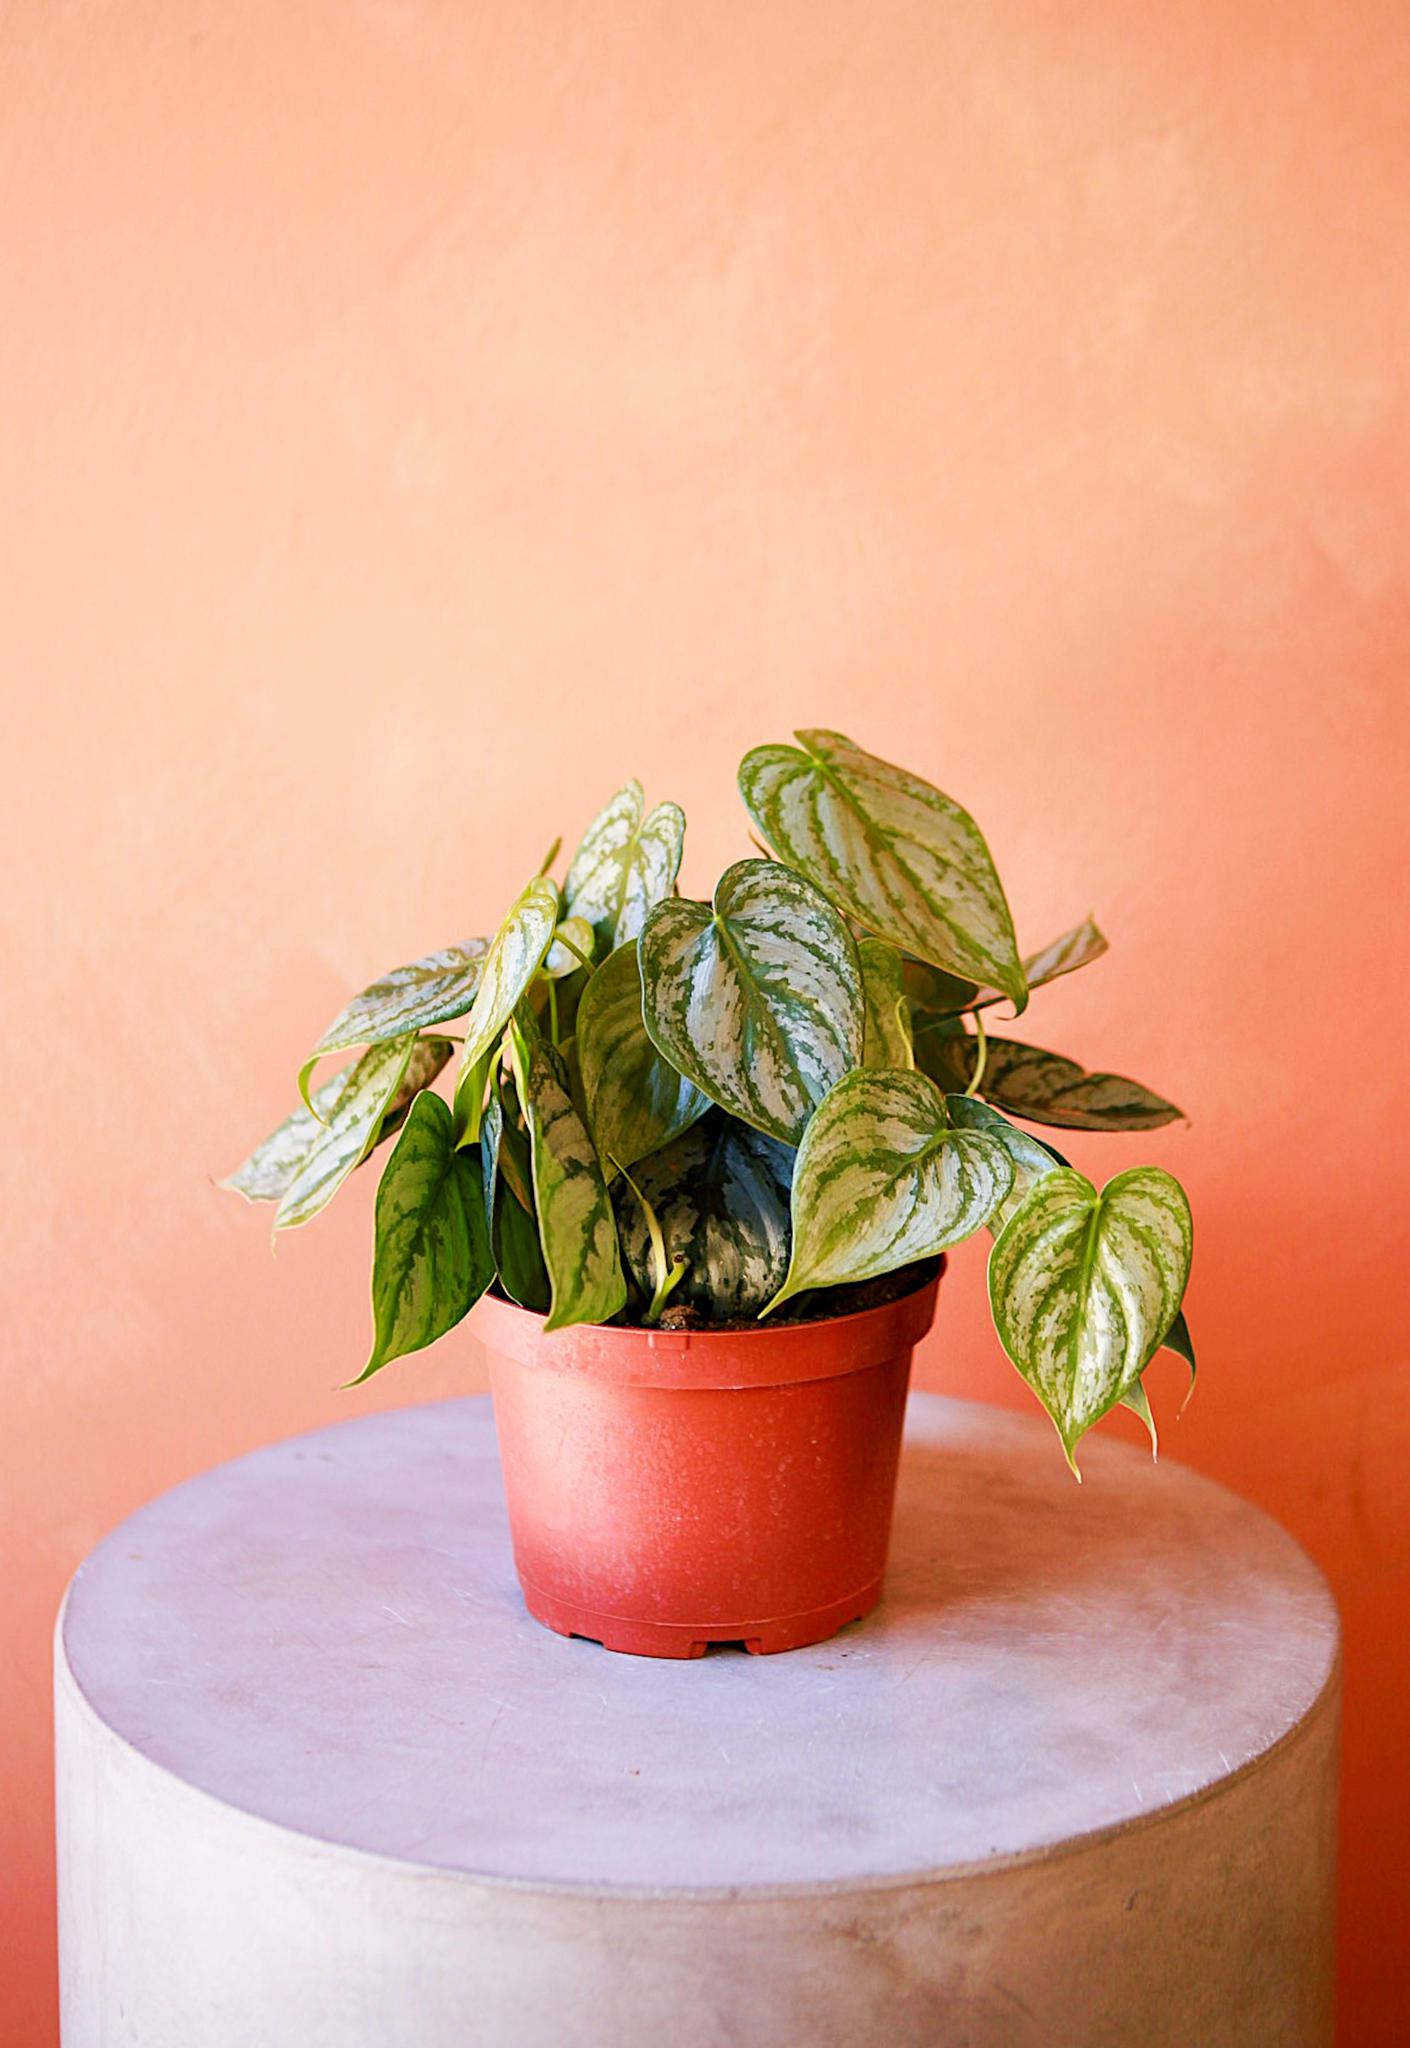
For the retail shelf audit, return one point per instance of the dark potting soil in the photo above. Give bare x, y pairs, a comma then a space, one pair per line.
820, 1304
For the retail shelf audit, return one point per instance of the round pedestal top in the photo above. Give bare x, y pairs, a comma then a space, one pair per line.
328, 1634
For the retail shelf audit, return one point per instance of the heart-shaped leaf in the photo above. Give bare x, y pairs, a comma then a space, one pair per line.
370, 1091
509, 1201
1048, 1089
758, 1002
626, 864
576, 1225
890, 850
720, 1193
1085, 1286
636, 1102
886, 1041
883, 1178
425, 992
432, 1259
516, 953
1032, 1159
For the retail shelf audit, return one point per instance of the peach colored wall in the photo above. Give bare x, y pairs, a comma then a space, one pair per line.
418, 416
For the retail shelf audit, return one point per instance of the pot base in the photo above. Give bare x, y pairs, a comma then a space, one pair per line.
692, 1639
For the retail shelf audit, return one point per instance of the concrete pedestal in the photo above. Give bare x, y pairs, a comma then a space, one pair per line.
324, 1784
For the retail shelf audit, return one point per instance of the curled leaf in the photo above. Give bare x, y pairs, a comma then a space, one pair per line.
427, 991
516, 953
635, 1100
886, 1040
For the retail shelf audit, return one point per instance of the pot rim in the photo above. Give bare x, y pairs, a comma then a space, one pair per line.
766, 1355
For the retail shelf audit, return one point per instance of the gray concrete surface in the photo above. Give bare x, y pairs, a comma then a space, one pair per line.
323, 1782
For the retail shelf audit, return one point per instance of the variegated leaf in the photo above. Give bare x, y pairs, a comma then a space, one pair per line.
368, 1094
883, 1178
516, 953
720, 1193
431, 1259
267, 1173
576, 1225
890, 850
757, 1001
1032, 1159
427, 991
1064, 955
886, 1040
1048, 1089
1138, 1401
626, 864
509, 1201
636, 1102
1084, 1287
1178, 1339
571, 949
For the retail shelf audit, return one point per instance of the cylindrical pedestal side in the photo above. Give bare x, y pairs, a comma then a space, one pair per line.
184, 1921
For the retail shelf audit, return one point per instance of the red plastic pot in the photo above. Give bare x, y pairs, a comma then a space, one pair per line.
671, 1489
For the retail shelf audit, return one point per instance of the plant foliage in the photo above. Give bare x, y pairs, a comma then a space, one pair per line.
784, 1092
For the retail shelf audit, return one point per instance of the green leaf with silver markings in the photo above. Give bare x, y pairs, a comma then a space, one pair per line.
626, 865
1064, 955
576, 1225
720, 1193
886, 1040
432, 1259
883, 1178
509, 1201
888, 849
1032, 1159
427, 991
516, 953
758, 1000
636, 1102
1084, 1287
1045, 1088
266, 1175
368, 1094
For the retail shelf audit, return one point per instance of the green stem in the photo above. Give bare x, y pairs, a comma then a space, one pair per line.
981, 1058
664, 1276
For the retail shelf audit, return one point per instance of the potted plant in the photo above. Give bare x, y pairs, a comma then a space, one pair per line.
697, 1174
